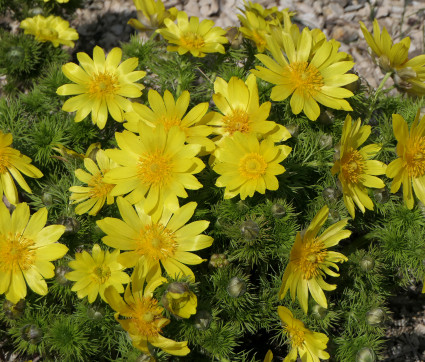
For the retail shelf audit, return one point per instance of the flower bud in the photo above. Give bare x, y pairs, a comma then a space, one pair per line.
325, 141
293, 129
421, 207
318, 311
202, 320
95, 313
375, 317
365, 355
381, 195
31, 333
35, 11
331, 194
236, 287
278, 211
250, 230
47, 198
326, 117
242, 206
234, 36
218, 260
14, 311
71, 225
179, 300
145, 358
367, 263
337, 154
16, 54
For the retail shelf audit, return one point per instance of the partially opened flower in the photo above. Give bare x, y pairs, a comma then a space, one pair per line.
102, 86
190, 35
151, 15
309, 345
267, 14
53, 29
179, 300
94, 273
310, 261
26, 251
152, 241
308, 80
409, 168
12, 164
255, 28
356, 171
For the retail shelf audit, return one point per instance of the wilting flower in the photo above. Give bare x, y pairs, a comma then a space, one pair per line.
101, 85
53, 29
94, 273
179, 300
12, 163
26, 251
191, 36
409, 168
308, 81
309, 345
356, 171
151, 15
310, 260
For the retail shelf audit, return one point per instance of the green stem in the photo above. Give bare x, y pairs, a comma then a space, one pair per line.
376, 95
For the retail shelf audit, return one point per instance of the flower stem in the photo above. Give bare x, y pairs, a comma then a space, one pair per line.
376, 95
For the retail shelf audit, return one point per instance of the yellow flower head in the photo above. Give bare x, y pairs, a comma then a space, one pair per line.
409, 168
153, 240
309, 345
179, 300
53, 29
141, 316
94, 273
169, 112
356, 171
191, 36
240, 111
156, 165
255, 28
267, 14
101, 86
26, 251
151, 15
309, 81
310, 260
12, 163
245, 165
93, 196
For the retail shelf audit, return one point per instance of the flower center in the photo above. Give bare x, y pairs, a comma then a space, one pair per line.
169, 122
415, 156
99, 188
103, 84
252, 166
16, 253
352, 166
192, 40
4, 163
154, 169
237, 121
146, 315
102, 273
305, 77
297, 336
156, 242
309, 257
49, 34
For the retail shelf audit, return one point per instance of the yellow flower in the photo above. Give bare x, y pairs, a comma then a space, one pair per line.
267, 14
59, 1
310, 260
152, 240
170, 112
94, 195
156, 165
53, 29
356, 171
309, 345
151, 15
191, 36
269, 356
94, 273
101, 86
309, 81
245, 165
26, 249
238, 103
409, 168
141, 316
12, 163
255, 28
179, 300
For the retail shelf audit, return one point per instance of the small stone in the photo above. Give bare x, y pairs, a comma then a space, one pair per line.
117, 29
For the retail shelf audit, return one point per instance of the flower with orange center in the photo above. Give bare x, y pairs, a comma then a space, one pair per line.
156, 240
310, 260
409, 168
140, 315
26, 251
188, 35
93, 196
245, 165
309, 345
102, 86
356, 171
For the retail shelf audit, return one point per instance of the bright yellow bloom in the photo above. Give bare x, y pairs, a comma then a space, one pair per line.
170, 112
12, 163
356, 171
151, 15
240, 111
93, 196
155, 240
59, 1
409, 168
309, 81
179, 300
309, 345
26, 251
53, 29
267, 14
94, 273
156, 165
255, 28
101, 86
245, 165
191, 36
310, 260
141, 316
